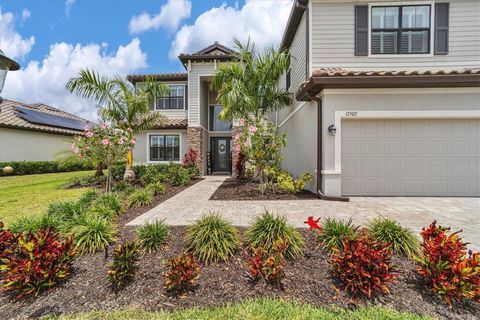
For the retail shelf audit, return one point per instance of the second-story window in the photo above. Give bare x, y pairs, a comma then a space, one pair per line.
174, 100
400, 29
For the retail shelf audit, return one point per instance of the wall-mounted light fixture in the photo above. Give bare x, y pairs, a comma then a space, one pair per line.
332, 130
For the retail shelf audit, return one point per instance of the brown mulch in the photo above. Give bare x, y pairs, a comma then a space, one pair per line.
308, 279
245, 189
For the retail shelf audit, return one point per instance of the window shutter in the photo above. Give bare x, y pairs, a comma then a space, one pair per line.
361, 30
441, 27
186, 97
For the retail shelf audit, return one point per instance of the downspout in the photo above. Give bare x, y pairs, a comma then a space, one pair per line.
320, 193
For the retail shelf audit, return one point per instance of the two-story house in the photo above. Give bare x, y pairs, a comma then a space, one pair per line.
386, 100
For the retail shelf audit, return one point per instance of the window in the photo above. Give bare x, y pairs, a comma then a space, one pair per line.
174, 100
164, 148
215, 123
400, 29
287, 80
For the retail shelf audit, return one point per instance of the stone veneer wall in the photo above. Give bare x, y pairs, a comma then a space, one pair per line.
195, 141
236, 130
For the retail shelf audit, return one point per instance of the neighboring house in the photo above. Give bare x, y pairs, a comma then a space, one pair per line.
35, 132
192, 112
386, 100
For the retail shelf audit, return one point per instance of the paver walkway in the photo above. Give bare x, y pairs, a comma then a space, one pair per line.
414, 212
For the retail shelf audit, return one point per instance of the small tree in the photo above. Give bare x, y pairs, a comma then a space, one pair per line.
103, 144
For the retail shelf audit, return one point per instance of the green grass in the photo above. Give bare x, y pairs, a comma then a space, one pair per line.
253, 309
29, 196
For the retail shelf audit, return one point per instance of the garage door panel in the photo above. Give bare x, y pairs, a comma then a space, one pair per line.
411, 157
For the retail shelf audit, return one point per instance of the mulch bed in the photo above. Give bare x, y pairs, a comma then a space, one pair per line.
245, 189
308, 279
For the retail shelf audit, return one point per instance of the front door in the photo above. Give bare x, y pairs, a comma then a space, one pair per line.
221, 155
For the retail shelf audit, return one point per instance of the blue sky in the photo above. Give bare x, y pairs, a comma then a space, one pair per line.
53, 39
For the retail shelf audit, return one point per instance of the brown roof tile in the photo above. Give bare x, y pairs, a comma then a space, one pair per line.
173, 124
178, 76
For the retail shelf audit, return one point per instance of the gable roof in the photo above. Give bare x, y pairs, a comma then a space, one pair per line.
298, 8
10, 117
173, 76
215, 51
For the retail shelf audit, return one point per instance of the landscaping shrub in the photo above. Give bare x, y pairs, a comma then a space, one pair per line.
279, 180
268, 265
152, 236
102, 210
157, 188
153, 174
182, 274
402, 240
37, 167
71, 162
93, 233
269, 228
35, 224
87, 198
33, 262
140, 198
212, 238
67, 211
363, 265
123, 187
451, 274
85, 181
334, 232
109, 200
179, 176
6, 239
124, 264
190, 162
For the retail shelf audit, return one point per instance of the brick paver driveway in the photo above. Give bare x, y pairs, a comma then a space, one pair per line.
413, 212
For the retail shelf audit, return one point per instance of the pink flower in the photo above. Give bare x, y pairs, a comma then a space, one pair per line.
252, 129
129, 129
241, 122
89, 134
121, 141
238, 148
133, 141
86, 148
105, 142
104, 125
236, 137
73, 146
80, 155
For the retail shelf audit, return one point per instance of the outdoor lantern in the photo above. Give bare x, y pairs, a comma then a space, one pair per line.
6, 64
332, 130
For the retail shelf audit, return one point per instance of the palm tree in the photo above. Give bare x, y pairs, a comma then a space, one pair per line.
125, 106
247, 87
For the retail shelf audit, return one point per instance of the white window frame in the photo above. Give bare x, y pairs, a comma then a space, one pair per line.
170, 86
393, 4
164, 133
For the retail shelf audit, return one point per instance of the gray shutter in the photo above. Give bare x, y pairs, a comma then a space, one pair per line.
361, 30
186, 97
441, 27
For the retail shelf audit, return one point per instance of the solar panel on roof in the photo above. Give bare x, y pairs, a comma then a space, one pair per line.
49, 119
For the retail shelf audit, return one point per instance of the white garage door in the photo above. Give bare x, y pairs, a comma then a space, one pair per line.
411, 157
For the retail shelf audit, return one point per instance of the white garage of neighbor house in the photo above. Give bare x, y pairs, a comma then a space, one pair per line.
35, 132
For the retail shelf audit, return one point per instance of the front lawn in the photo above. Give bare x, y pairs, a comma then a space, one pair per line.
253, 309
30, 195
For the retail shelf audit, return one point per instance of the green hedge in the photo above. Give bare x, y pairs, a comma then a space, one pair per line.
36, 167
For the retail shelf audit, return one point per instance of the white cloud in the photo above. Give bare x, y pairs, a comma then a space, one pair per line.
264, 21
68, 7
26, 14
169, 17
45, 81
12, 43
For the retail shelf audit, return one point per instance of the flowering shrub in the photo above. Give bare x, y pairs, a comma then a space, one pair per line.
190, 162
363, 265
182, 273
444, 263
34, 262
124, 265
103, 145
268, 265
282, 181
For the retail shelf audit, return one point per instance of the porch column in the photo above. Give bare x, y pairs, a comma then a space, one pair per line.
195, 142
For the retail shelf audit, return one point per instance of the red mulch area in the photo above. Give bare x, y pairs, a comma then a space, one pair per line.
245, 189
308, 279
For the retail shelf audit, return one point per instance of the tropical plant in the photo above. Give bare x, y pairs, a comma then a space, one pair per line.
401, 239
444, 263
33, 262
212, 238
157, 188
152, 236
334, 231
34, 224
364, 265
124, 264
109, 200
93, 233
126, 106
268, 228
190, 162
140, 198
181, 274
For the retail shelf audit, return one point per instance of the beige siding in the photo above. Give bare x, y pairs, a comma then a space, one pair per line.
197, 70
23, 145
332, 39
298, 65
173, 113
204, 104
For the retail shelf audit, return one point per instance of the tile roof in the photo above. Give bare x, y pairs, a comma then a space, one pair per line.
340, 72
173, 124
174, 76
209, 53
10, 119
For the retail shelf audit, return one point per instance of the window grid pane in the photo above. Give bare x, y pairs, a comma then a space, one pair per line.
164, 148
